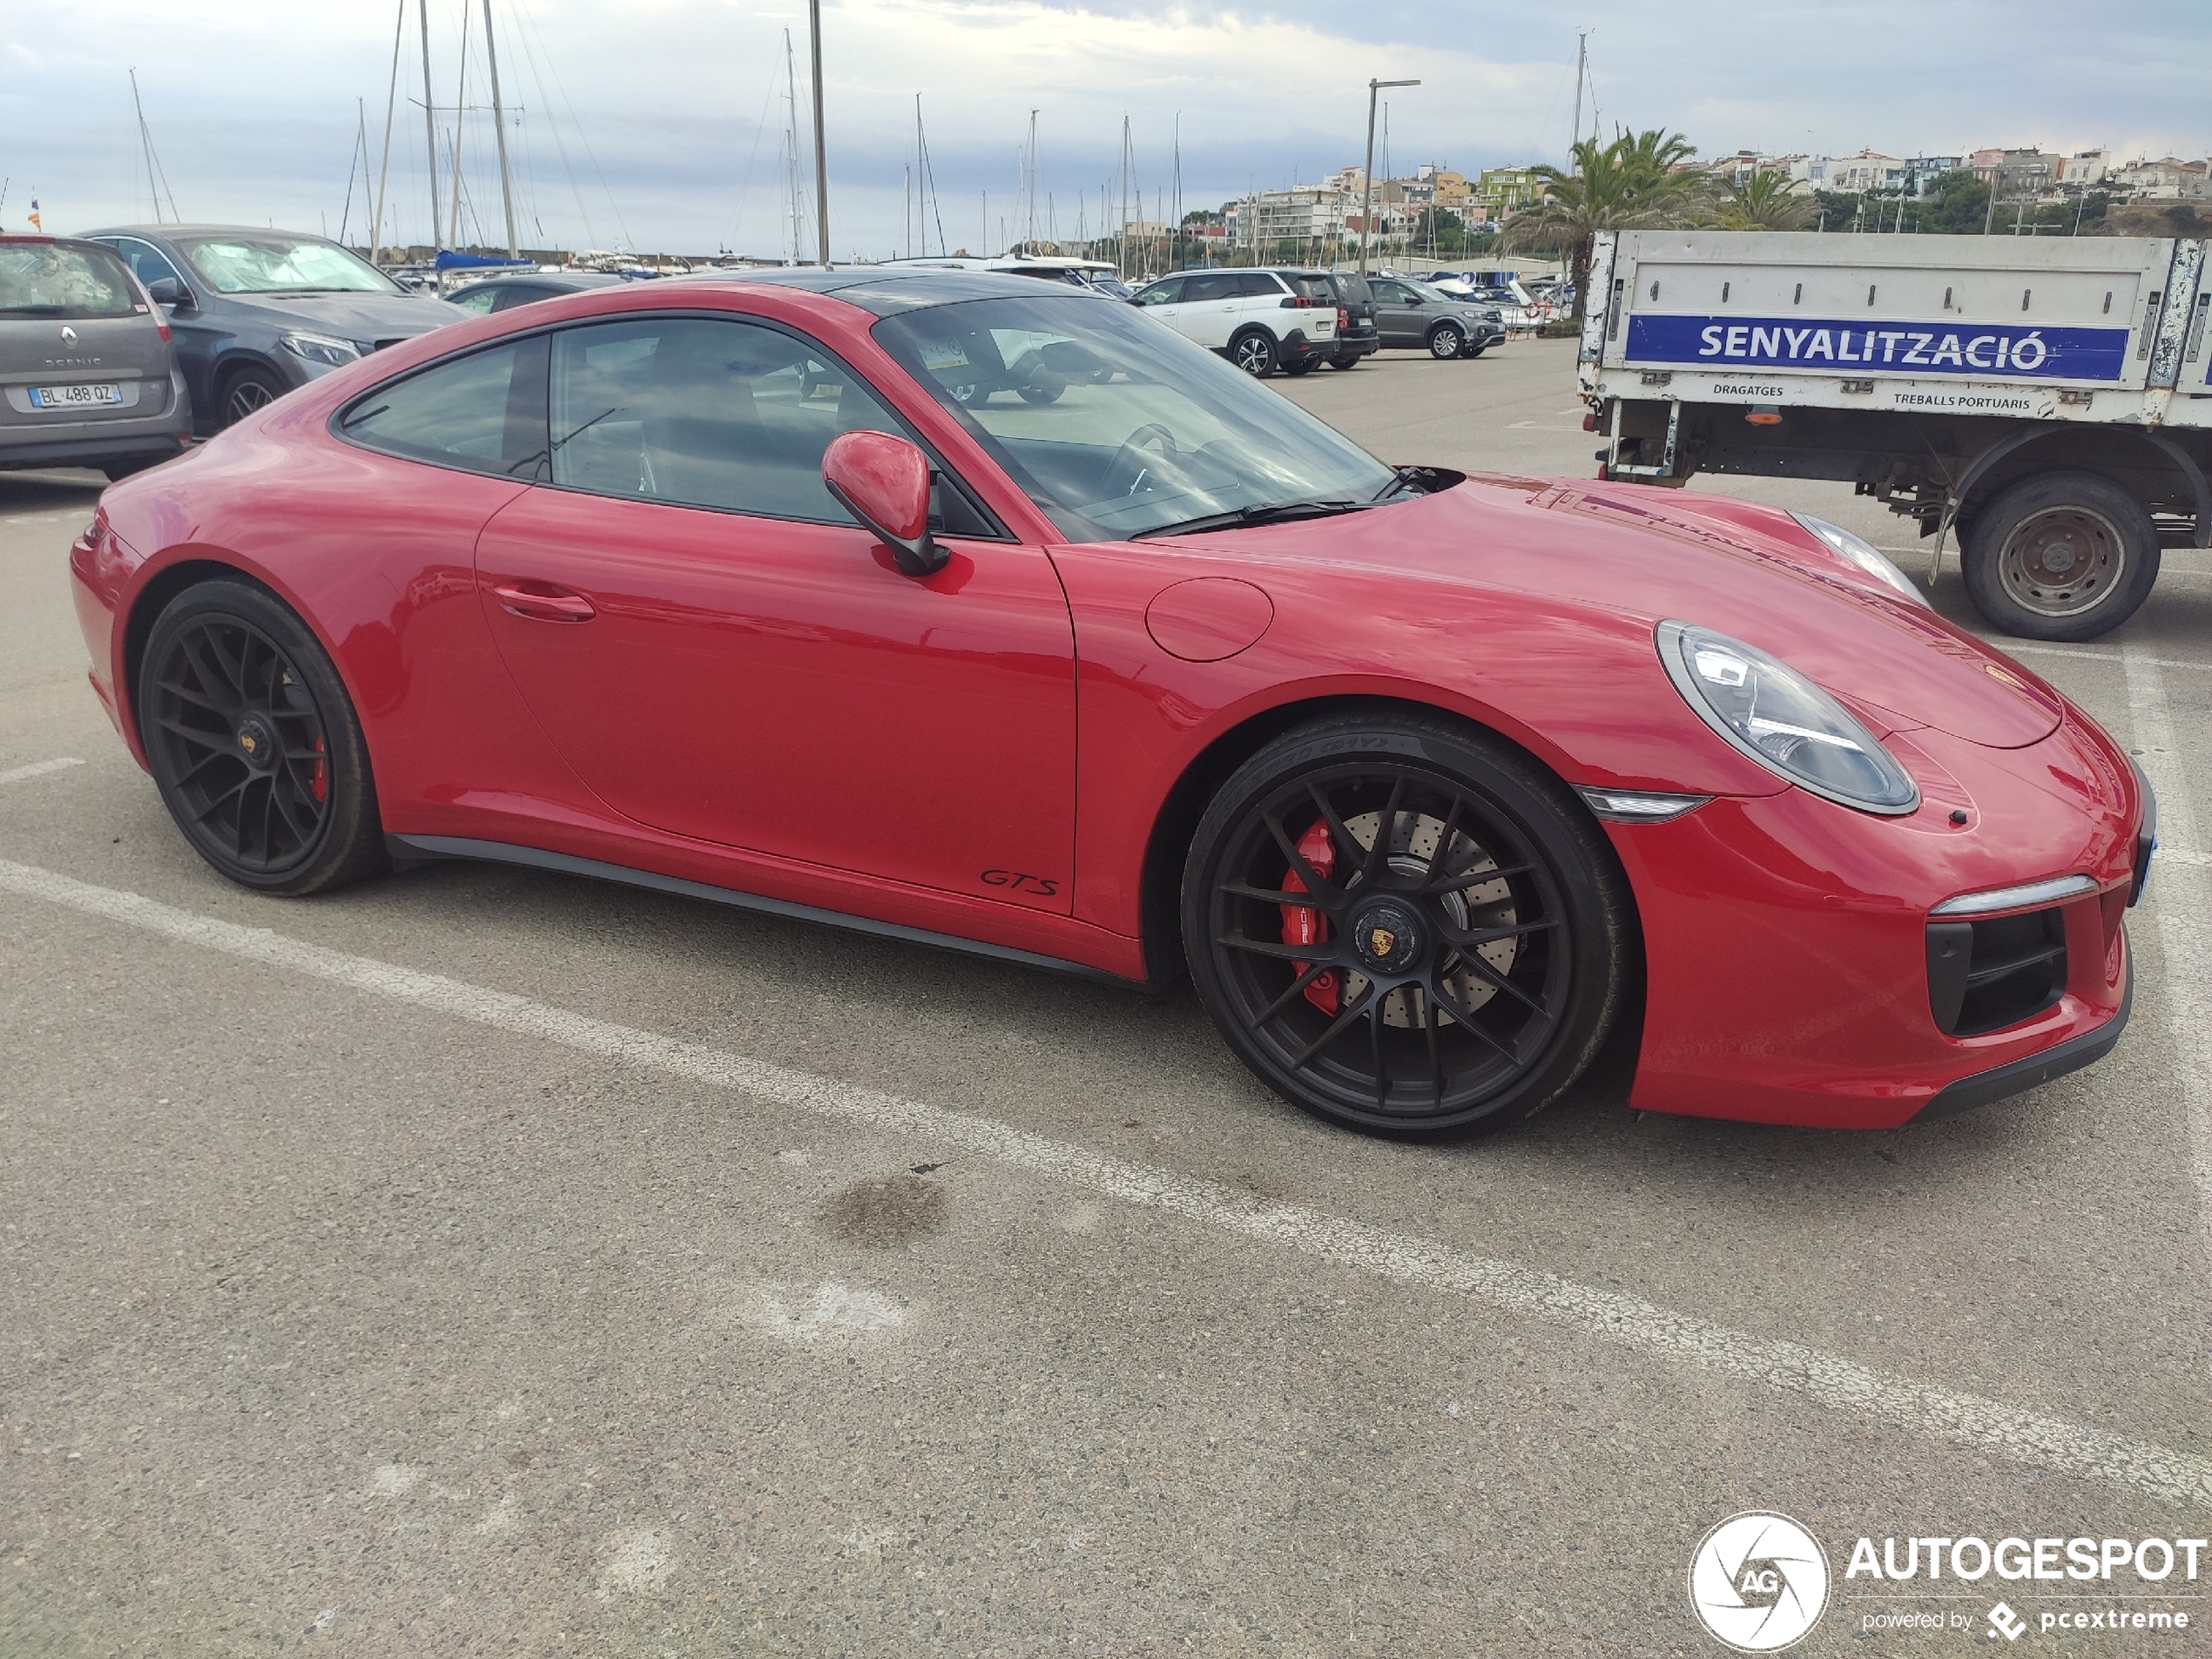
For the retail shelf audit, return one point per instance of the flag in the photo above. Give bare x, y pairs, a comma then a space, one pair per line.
35, 225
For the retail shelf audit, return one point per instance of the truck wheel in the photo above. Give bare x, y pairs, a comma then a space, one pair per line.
2060, 556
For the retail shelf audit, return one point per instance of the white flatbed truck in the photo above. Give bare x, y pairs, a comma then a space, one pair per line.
2048, 401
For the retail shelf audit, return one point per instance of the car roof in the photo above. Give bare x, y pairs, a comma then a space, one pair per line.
171, 232
577, 279
887, 291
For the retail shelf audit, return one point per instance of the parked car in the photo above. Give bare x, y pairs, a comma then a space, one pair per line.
505, 292
1357, 337
1415, 314
1261, 321
255, 313
86, 364
1429, 781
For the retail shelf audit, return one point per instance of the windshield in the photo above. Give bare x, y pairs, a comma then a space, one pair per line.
1117, 425
43, 279
247, 263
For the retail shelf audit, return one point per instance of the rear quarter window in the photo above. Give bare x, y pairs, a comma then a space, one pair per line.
49, 279
1314, 287
482, 412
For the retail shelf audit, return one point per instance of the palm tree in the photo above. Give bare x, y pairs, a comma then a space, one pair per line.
1639, 181
1765, 201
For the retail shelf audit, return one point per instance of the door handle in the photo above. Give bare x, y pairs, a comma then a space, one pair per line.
542, 602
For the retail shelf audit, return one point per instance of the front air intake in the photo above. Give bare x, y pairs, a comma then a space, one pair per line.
1985, 975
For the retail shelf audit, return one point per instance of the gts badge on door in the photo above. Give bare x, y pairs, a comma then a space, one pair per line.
1041, 887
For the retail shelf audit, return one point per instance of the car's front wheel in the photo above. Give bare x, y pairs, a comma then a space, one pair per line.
246, 390
1254, 352
1446, 341
255, 745
1404, 924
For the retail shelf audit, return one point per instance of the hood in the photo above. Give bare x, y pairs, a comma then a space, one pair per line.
1744, 569
365, 317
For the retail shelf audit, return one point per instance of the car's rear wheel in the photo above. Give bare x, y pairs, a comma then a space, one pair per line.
1402, 925
1254, 352
247, 389
1446, 341
2062, 555
255, 744
1353, 361
1306, 367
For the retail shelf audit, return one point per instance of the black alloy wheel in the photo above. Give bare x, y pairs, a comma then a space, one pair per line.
1254, 352
1445, 341
1404, 924
246, 390
254, 743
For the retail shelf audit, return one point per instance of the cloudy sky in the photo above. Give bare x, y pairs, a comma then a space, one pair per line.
658, 124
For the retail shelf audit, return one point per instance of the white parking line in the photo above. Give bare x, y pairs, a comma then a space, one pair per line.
2126, 653
1979, 1424
2181, 933
38, 769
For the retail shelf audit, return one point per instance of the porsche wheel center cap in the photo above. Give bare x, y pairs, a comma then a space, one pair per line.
256, 742
1387, 938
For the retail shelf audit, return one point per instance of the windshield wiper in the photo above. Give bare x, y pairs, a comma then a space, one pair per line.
1263, 513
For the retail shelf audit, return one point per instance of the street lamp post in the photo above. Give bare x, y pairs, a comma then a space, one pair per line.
1367, 174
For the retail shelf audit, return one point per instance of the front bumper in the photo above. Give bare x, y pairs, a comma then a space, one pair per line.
1787, 940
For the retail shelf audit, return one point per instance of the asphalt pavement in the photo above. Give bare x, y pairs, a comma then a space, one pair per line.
482, 1260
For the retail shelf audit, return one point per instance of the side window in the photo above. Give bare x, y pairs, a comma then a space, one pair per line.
479, 301
1166, 292
483, 412
143, 259
704, 413
1390, 293
1212, 287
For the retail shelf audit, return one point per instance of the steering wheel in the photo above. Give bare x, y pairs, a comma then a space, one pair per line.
1126, 470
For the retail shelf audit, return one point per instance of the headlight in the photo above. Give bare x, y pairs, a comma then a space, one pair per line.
1863, 553
1782, 720
320, 348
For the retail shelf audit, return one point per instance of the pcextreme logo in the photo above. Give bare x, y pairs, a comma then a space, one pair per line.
1759, 1582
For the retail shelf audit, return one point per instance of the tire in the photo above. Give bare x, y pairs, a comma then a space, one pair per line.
255, 745
2060, 556
246, 390
1338, 1020
116, 471
1446, 341
1306, 367
1346, 363
1477, 351
1254, 352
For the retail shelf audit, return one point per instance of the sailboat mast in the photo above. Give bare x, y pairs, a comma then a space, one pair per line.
430, 117
791, 140
146, 141
821, 153
1122, 260
499, 125
460, 103
391, 103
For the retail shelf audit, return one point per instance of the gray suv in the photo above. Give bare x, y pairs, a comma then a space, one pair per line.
259, 312
87, 377
1414, 314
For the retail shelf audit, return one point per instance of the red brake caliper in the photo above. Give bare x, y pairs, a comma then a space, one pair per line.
320, 782
1302, 925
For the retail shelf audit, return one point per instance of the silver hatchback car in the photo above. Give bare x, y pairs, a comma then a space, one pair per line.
88, 375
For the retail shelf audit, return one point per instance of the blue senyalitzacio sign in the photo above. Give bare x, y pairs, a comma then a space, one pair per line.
2006, 350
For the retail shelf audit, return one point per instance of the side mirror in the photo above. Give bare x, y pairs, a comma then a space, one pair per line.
883, 481
167, 290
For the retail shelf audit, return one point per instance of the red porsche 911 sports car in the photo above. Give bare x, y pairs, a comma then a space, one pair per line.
946, 606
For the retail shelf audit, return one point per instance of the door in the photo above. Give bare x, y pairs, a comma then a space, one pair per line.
1400, 316
722, 653
1208, 311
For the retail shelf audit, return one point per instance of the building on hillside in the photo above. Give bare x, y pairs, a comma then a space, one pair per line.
2084, 168
2017, 175
1501, 190
2165, 179
1922, 171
